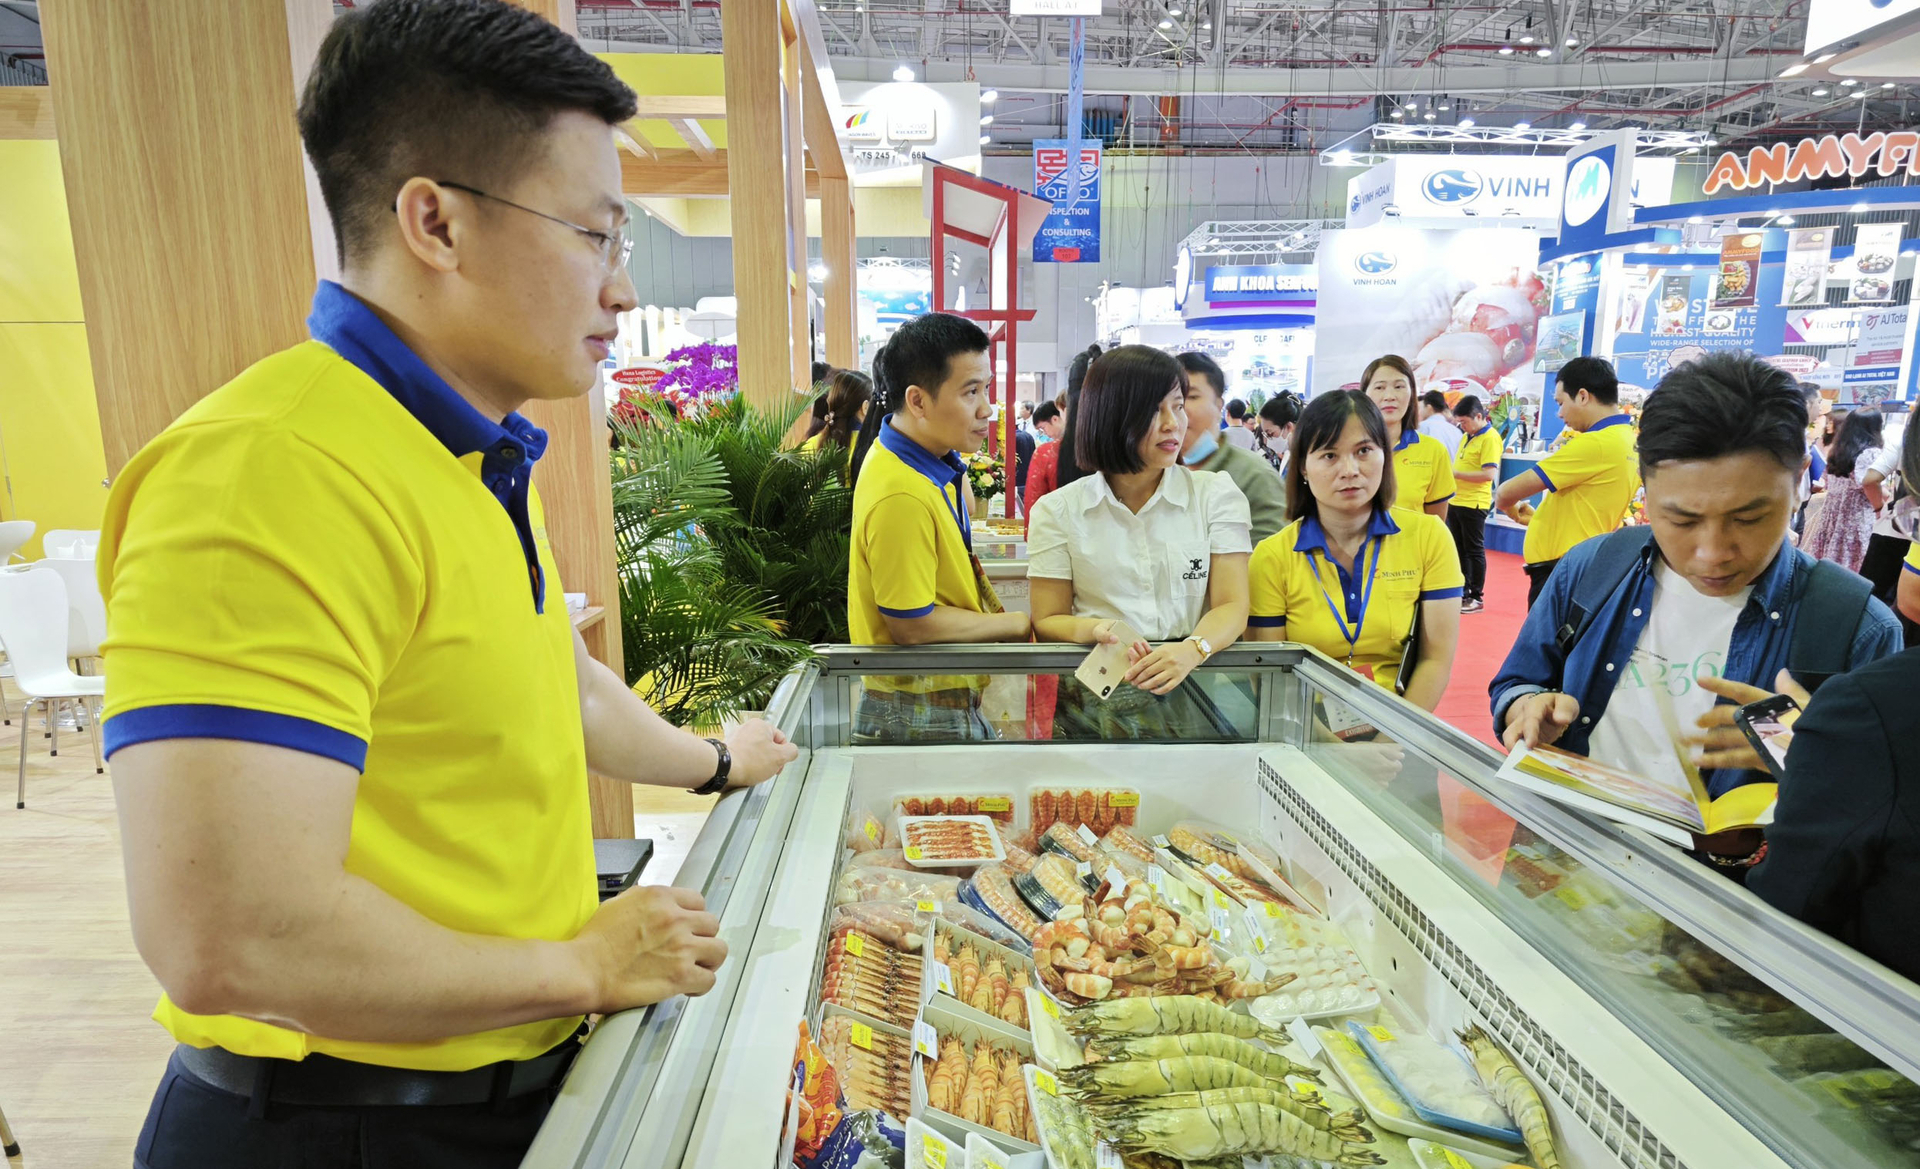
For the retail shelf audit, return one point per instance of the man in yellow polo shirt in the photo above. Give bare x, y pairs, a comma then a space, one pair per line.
912, 578
1475, 467
1590, 481
350, 721
1909, 594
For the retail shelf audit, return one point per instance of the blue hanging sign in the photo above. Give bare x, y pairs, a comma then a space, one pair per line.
1071, 232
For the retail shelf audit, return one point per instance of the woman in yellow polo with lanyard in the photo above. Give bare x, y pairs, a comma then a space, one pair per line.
1422, 464
1350, 575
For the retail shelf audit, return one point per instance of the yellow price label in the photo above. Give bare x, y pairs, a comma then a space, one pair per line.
1123, 799
862, 1036
856, 945
1049, 1006
1381, 1034
927, 906
1046, 1083
915, 853
1572, 898
996, 804
873, 830
933, 1151
1454, 1160
1274, 910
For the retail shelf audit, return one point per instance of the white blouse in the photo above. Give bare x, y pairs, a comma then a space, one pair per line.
1151, 569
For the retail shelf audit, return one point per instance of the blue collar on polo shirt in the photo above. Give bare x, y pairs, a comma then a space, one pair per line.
507, 450
1408, 436
1610, 420
943, 471
1313, 537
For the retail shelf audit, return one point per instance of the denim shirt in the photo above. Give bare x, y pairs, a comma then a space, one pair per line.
1756, 654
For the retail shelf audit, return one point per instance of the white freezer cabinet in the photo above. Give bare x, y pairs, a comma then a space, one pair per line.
1669, 1017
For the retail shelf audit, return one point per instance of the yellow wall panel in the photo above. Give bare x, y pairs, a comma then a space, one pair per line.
672, 75
39, 280
50, 429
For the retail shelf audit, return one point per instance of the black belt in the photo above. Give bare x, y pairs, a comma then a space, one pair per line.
321, 1081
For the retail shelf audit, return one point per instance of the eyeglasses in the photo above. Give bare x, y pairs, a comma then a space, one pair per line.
615, 249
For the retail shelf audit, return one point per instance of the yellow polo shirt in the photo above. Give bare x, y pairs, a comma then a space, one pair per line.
1591, 481
1409, 557
1912, 563
911, 548
1478, 452
1423, 471
299, 560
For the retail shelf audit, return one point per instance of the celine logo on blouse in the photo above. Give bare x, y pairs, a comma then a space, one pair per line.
1196, 572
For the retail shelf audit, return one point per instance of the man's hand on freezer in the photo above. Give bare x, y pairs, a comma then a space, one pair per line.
648, 944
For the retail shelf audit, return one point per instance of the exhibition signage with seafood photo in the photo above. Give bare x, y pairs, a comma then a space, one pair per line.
1739, 270
1876, 249
1462, 306
1686, 323
1809, 252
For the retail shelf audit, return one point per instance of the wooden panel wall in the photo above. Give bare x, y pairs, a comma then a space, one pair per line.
757, 177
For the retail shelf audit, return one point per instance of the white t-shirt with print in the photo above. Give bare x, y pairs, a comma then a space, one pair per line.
1150, 570
1686, 635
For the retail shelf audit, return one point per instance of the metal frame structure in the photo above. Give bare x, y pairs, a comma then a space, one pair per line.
1258, 237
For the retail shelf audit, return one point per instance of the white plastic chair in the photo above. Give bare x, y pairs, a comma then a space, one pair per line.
33, 628
13, 535
86, 611
70, 543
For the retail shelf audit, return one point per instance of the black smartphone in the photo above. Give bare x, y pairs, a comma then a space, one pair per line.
1768, 725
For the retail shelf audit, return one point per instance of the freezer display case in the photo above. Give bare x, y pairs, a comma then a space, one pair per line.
1663, 1016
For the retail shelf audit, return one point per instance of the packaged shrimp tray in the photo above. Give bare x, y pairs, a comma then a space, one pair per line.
996, 806
976, 979
1098, 809
972, 1084
1384, 1105
930, 842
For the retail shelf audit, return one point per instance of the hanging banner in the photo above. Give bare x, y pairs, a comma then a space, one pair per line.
1739, 271
1076, 90
1878, 346
1071, 232
1809, 252
1876, 249
1671, 319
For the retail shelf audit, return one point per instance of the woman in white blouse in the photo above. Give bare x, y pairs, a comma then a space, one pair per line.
1140, 540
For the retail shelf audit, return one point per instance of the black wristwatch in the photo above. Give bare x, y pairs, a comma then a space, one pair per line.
719, 781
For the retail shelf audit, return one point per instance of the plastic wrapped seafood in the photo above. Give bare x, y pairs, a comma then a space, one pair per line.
1052, 886
980, 1083
998, 807
947, 841
1097, 808
864, 973
1435, 1079
879, 858
877, 884
874, 1064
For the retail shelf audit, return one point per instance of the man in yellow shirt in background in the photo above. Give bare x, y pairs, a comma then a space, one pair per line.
1590, 481
912, 578
350, 720
1475, 467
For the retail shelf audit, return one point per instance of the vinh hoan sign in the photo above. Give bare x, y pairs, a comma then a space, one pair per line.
1854, 155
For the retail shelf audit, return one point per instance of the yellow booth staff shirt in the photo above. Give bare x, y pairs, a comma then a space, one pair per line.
1423, 471
1591, 481
336, 554
912, 547
1364, 617
1479, 451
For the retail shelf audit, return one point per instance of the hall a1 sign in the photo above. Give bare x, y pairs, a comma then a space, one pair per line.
1884, 153
1054, 8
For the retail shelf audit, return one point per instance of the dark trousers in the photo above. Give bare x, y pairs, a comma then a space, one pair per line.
1469, 528
191, 1125
1884, 562
1537, 575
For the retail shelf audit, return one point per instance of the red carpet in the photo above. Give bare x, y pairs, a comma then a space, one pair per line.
1485, 638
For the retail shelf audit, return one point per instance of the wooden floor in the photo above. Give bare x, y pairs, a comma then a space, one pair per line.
79, 1053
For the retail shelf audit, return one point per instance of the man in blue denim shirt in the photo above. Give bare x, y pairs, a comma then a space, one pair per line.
1705, 618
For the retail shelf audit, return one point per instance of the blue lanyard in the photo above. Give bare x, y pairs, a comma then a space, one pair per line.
1366, 595
959, 512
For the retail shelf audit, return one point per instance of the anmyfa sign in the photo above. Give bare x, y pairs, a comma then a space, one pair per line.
1886, 154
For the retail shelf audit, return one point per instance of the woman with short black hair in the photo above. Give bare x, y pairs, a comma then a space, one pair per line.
1139, 540
1840, 529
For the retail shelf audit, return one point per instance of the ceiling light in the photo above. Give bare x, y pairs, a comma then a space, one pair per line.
1823, 58
1506, 50
903, 73
1342, 157
1543, 52
1847, 82
985, 139
1206, 25
1695, 219
1577, 127
987, 121
1166, 24
1690, 150
1713, 142
1466, 123
1859, 209
1886, 85
1572, 42
1523, 125
1787, 220
991, 96
1443, 107
1174, 11
1526, 39
1429, 115
817, 272
1413, 105
1822, 91
1794, 70
1397, 114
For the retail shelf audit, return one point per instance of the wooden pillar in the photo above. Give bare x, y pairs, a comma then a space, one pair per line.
187, 194
799, 289
837, 249
575, 478
753, 40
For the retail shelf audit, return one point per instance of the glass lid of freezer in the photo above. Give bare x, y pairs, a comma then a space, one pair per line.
1804, 1043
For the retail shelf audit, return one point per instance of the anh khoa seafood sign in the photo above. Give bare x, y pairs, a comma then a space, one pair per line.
1885, 154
